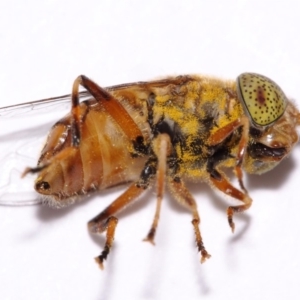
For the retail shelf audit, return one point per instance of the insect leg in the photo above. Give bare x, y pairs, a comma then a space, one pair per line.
241, 152
113, 108
106, 221
161, 146
221, 134
184, 197
221, 183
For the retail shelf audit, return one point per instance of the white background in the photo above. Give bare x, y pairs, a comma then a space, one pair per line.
48, 254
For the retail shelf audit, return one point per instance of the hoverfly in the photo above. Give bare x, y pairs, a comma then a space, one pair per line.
164, 132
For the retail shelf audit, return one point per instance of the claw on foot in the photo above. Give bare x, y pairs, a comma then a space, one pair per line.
204, 256
150, 240
230, 211
231, 224
150, 237
99, 261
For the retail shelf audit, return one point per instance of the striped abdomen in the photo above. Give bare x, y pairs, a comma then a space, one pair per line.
101, 160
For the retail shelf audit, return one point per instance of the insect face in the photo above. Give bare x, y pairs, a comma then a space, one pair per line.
267, 147
274, 121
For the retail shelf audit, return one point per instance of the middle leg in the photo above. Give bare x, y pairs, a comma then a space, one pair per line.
161, 148
184, 197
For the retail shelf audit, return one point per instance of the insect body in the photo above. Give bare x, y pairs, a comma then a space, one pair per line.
165, 132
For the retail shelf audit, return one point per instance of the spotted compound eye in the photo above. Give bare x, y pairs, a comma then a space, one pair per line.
262, 97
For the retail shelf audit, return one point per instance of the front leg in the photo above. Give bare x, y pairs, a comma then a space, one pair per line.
221, 134
221, 183
161, 148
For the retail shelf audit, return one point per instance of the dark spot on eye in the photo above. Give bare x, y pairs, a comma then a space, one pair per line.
260, 95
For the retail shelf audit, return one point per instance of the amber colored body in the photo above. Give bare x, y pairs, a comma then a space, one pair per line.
171, 130
101, 160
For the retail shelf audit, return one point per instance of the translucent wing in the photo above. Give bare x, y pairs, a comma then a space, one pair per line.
23, 130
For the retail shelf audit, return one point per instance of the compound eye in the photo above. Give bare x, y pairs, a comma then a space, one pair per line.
264, 100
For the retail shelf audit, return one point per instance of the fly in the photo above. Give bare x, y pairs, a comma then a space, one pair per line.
163, 133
